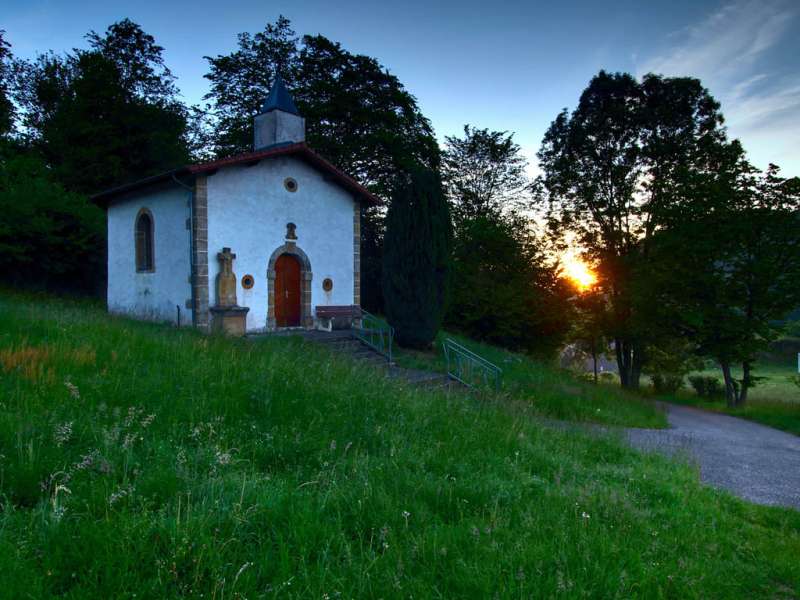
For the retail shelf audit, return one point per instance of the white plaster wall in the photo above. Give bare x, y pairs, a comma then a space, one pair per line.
150, 295
248, 209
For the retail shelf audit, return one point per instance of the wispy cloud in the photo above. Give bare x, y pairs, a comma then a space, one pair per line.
738, 53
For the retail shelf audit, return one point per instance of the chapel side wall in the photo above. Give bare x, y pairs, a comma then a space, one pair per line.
150, 295
248, 209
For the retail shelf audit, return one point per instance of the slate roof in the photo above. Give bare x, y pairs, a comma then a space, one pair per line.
298, 150
279, 99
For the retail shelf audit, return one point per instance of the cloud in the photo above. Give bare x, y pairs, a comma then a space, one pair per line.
738, 52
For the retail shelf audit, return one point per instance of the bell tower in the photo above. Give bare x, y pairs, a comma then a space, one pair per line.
279, 121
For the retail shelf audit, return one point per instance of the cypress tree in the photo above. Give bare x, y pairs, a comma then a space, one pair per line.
416, 258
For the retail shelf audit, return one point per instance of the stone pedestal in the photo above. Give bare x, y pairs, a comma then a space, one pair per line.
230, 320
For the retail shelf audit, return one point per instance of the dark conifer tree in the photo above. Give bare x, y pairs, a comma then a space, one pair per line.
416, 259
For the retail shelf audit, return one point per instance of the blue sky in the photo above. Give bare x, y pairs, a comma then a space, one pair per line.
502, 65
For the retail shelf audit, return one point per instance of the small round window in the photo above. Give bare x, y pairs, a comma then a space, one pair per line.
248, 282
290, 184
327, 284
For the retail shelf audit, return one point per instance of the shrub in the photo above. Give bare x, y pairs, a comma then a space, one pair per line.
416, 259
667, 383
706, 386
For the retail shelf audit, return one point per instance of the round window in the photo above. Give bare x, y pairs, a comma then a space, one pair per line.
290, 184
327, 284
248, 282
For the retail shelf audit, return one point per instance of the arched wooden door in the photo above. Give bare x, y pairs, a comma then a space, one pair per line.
287, 291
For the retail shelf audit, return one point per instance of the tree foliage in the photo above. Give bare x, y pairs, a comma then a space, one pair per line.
417, 259
737, 264
484, 173
48, 235
611, 172
505, 290
6, 73
104, 116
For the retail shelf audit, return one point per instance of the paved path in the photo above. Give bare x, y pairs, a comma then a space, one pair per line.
756, 462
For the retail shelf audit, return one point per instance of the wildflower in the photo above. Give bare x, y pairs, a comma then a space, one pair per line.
73, 389
223, 458
585, 516
87, 461
62, 433
120, 494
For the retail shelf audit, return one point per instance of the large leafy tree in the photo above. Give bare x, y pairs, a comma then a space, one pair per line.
240, 82
484, 173
612, 169
104, 116
417, 259
505, 290
6, 71
48, 235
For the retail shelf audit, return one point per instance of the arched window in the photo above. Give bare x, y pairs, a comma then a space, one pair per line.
144, 241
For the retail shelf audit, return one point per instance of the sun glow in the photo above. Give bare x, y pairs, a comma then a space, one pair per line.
579, 272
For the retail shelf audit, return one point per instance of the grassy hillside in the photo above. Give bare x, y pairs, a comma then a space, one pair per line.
143, 461
548, 391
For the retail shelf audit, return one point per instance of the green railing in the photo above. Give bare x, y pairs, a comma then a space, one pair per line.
375, 333
470, 369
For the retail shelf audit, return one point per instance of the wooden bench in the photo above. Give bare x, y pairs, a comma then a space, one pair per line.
342, 316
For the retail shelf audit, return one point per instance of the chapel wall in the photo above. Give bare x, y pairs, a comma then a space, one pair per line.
249, 208
151, 295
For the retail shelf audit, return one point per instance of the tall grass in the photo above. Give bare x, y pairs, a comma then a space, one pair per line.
142, 461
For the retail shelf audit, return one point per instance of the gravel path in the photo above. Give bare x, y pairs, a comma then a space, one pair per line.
755, 462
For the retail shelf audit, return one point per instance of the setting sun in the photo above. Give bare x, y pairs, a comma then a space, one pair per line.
579, 272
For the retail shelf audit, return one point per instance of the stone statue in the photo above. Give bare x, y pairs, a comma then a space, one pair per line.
226, 279
228, 317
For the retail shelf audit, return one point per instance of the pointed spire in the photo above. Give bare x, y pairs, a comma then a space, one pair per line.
279, 99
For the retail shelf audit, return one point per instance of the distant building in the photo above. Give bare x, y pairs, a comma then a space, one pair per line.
285, 220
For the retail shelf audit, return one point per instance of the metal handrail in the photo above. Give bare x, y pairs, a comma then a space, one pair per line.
375, 333
470, 369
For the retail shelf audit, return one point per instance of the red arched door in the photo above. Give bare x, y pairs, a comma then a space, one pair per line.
287, 291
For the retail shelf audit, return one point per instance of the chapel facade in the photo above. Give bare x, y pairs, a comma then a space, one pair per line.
261, 241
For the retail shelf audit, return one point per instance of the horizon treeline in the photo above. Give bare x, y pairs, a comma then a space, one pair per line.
696, 251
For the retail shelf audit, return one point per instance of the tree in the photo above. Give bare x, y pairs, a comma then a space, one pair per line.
610, 172
588, 324
241, 80
417, 259
48, 236
504, 290
6, 71
104, 116
483, 173
738, 264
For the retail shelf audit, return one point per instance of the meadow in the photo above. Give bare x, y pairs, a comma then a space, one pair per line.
137, 460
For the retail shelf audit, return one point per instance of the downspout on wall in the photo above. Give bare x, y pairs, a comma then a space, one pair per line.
190, 228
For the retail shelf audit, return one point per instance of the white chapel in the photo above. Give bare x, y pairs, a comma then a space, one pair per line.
261, 241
